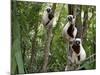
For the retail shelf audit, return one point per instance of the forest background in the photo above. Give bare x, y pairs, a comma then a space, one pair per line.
28, 36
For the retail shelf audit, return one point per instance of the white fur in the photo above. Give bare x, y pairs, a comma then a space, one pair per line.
82, 51
82, 54
65, 34
74, 58
46, 19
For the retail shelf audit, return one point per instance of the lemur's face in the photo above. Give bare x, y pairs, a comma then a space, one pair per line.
49, 10
71, 18
77, 42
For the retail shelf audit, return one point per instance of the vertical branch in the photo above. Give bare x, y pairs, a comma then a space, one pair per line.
78, 21
34, 42
71, 9
33, 52
74, 10
85, 22
47, 48
47, 44
70, 65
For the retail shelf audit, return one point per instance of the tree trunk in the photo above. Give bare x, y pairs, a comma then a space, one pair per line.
74, 10
70, 65
71, 9
35, 23
78, 21
47, 44
33, 53
85, 23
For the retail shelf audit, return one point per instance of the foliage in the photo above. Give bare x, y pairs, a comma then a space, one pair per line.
28, 37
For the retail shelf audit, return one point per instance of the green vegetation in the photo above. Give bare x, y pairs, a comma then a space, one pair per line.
28, 36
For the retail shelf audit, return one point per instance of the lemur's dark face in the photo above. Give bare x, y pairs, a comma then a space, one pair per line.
48, 10
77, 43
70, 18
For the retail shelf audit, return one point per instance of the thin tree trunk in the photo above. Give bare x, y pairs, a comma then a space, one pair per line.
74, 10
33, 54
70, 65
35, 23
71, 9
78, 21
47, 49
33, 50
47, 45
85, 23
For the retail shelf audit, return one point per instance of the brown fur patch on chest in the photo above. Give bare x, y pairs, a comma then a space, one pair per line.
70, 31
76, 49
50, 16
